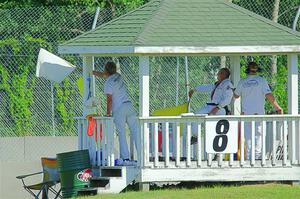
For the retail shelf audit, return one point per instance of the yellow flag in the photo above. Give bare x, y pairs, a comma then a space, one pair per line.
172, 111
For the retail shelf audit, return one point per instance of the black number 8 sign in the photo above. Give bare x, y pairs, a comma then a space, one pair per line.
222, 129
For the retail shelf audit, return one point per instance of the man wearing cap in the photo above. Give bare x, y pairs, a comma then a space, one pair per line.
253, 90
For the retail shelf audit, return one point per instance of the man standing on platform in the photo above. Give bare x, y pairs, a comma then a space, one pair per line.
120, 107
253, 90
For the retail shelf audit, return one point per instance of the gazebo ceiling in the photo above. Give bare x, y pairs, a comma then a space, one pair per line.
186, 27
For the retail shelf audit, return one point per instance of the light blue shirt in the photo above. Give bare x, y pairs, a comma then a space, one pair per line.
253, 90
115, 86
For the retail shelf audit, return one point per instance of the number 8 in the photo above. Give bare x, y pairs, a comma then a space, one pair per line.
221, 135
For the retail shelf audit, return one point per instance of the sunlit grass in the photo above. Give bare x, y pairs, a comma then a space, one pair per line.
273, 191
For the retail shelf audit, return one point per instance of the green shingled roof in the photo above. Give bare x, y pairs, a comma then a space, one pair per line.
190, 23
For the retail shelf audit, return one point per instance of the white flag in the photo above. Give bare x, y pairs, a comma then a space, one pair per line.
52, 67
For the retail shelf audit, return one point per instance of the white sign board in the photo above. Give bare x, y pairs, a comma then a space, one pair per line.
221, 136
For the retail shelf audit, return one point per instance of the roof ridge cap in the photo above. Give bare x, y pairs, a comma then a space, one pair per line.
155, 14
261, 18
110, 22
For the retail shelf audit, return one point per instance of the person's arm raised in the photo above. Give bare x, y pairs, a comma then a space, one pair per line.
99, 74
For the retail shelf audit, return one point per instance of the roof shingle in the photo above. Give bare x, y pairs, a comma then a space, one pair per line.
196, 23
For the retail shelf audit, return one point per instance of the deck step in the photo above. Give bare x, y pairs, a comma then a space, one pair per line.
111, 171
87, 192
99, 182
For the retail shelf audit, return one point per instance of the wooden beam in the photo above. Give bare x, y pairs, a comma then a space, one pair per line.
89, 85
144, 86
235, 69
178, 50
293, 84
220, 175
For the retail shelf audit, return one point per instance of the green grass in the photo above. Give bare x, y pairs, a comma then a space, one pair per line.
272, 191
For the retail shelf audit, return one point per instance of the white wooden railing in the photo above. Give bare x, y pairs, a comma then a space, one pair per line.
176, 131
101, 143
279, 132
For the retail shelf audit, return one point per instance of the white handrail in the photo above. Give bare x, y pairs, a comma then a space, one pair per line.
268, 132
178, 151
101, 143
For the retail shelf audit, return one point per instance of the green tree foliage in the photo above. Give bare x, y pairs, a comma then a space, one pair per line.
19, 43
16, 84
65, 105
24, 32
287, 11
89, 3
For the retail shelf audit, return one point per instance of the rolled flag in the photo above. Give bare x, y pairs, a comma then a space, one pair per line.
52, 67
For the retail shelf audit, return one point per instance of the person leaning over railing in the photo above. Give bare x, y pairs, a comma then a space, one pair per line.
120, 107
253, 90
221, 93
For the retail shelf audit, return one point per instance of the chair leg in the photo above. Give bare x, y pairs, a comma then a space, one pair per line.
45, 193
58, 194
32, 193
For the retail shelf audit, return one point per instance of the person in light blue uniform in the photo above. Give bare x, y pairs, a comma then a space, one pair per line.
253, 90
120, 107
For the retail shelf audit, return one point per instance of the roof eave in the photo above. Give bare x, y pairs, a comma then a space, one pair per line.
220, 50
179, 50
99, 50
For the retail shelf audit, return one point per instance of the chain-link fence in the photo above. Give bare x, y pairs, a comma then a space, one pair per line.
33, 106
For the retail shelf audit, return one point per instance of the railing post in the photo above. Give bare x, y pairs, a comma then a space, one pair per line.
253, 127
199, 150
188, 144
274, 128
294, 143
178, 151
263, 147
85, 137
103, 143
284, 143
146, 143
141, 152
167, 148
242, 144
111, 142
298, 140
98, 144
155, 144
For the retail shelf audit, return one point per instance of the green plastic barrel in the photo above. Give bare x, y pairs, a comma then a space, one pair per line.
75, 170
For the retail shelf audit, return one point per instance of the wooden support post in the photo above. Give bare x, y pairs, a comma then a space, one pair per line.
144, 72
293, 104
235, 78
144, 86
144, 186
88, 85
293, 84
88, 67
